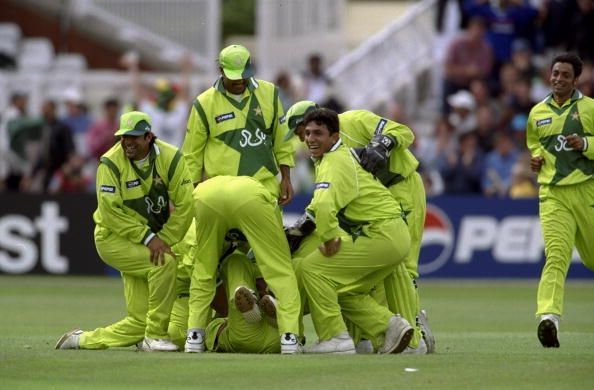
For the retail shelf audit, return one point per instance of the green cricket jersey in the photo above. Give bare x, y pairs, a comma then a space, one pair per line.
237, 138
547, 126
135, 202
357, 128
347, 196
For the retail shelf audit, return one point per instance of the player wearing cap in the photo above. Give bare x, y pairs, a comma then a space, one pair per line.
144, 196
383, 149
237, 128
339, 276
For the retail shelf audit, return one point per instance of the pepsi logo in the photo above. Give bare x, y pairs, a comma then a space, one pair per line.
438, 241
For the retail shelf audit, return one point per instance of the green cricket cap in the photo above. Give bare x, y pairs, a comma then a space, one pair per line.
296, 114
236, 63
134, 123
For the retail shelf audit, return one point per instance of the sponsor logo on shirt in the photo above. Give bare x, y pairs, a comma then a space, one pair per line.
282, 119
321, 185
133, 183
542, 122
110, 189
224, 117
186, 181
380, 126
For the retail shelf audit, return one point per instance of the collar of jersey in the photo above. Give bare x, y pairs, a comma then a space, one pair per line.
144, 173
576, 95
332, 149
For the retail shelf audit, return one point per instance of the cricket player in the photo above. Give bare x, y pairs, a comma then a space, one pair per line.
560, 136
358, 249
237, 128
144, 196
224, 203
383, 148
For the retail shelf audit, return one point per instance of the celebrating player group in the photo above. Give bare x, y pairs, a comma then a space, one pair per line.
207, 265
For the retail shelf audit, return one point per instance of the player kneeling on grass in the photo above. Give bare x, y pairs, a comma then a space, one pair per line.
338, 278
223, 203
382, 146
138, 180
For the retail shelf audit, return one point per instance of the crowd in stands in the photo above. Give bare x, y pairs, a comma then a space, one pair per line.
495, 69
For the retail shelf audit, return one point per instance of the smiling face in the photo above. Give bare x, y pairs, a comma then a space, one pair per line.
318, 138
136, 147
562, 80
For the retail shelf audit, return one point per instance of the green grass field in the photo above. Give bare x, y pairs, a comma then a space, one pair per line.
485, 332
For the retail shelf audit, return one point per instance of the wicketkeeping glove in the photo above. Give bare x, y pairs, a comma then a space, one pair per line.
376, 153
295, 233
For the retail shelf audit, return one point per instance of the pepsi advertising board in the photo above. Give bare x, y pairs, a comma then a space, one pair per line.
465, 237
476, 237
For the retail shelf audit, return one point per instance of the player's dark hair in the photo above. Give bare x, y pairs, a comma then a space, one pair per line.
323, 116
570, 58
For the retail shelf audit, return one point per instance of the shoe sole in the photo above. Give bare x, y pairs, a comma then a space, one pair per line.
547, 334
64, 337
427, 334
187, 350
247, 305
268, 307
405, 339
401, 342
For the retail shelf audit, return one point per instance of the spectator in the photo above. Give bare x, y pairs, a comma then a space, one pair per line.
71, 178
286, 90
101, 134
485, 128
497, 175
167, 104
316, 83
583, 29
523, 182
19, 142
57, 145
462, 171
507, 21
463, 116
519, 103
77, 118
521, 58
468, 57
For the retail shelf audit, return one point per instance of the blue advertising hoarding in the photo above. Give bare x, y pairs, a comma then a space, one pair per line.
465, 237
476, 237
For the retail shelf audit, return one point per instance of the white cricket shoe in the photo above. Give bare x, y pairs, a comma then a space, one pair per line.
157, 345
290, 344
548, 328
69, 340
398, 335
427, 333
420, 350
364, 347
246, 302
267, 306
195, 341
341, 344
